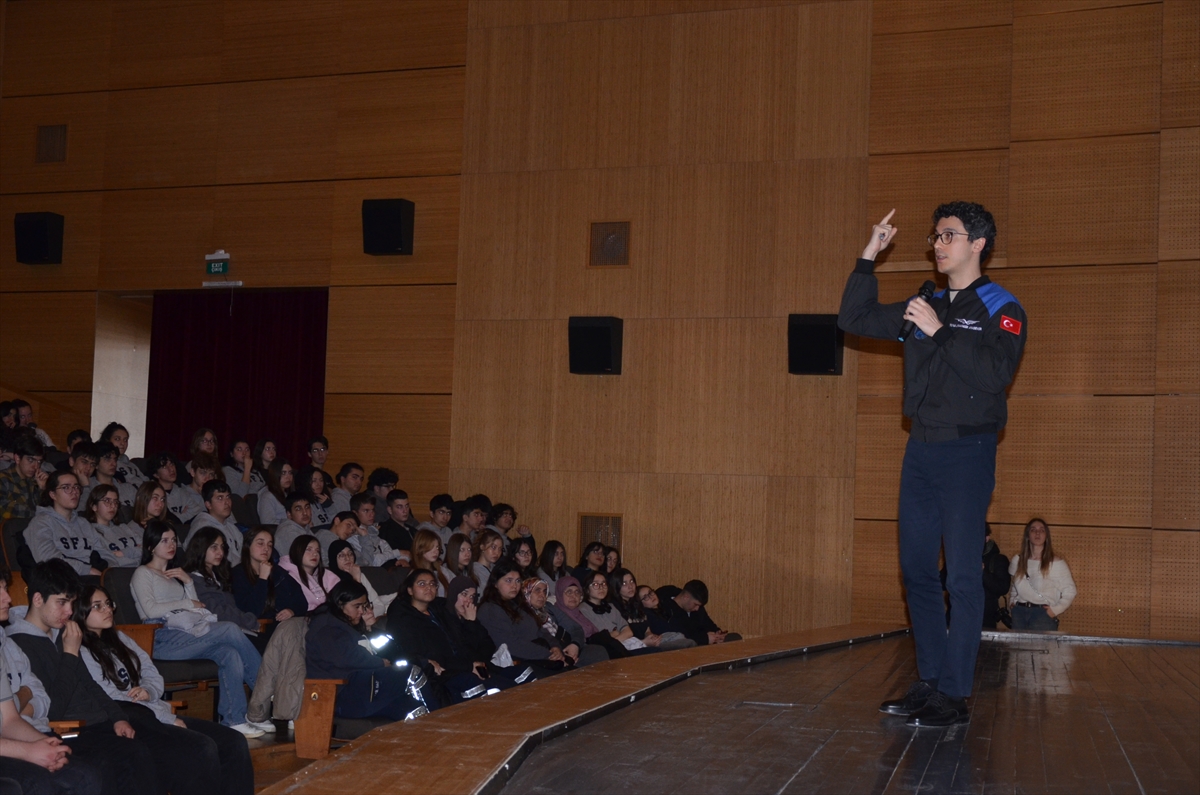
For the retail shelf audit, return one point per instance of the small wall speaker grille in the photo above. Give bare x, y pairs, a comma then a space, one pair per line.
814, 345
51, 143
602, 527
594, 345
610, 245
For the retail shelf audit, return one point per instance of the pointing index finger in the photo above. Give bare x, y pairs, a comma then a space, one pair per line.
888, 217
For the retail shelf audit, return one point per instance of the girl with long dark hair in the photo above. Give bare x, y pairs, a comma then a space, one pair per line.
122, 546
207, 560
509, 620
303, 563
280, 479
261, 587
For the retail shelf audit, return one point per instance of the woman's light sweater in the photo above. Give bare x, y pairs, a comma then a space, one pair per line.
1055, 589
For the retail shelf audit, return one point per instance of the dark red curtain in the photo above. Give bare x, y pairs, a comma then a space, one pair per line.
246, 363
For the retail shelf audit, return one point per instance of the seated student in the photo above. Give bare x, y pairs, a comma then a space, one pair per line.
349, 482
395, 531
605, 618
262, 588
218, 514
440, 509
182, 503
343, 528
117, 435
82, 462
265, 453
297, 521
427, 556
419, 623
25, 420
107, 475
502, 518
523, 553
373, 549
623, 593
459, 560
280, 478
510, 621
8, 414
381, 481
55, 532
686, 606
612, 560
591, 560
191, 632
303, 564
240, 473
204, 469
536, 594
207, 560
150, 504
204, 441
474, 517
21, 484
335, 649
106, 739
37, 762
341, 563
552, 566
119, 546
488, 550
318, 451
191, 754
310, 483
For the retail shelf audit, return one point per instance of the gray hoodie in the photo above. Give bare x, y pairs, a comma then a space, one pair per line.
20, 675
228, 528
73, 540
443, 533
126, 539
288, 531
149, 678
184, 502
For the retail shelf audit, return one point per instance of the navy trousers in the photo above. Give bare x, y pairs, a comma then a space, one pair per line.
945, 488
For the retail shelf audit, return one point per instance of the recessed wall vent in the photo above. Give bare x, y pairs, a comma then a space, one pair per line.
602, 527
610, 245
51, 143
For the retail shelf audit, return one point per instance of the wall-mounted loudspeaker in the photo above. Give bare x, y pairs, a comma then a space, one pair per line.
814, 345
387, 226
39, 238
595, 345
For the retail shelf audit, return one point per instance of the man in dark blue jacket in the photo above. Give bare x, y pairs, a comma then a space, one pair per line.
960, 358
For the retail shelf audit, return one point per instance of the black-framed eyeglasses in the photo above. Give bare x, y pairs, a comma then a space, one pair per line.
947, 236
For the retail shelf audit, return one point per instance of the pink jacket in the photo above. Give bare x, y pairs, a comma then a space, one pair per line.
314, 595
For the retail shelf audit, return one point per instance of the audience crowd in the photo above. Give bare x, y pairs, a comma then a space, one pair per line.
275, 574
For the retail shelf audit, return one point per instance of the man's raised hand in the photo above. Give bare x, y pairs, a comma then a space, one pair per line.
881, 237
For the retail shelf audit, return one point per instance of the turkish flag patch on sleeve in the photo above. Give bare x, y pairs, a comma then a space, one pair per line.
1008, 324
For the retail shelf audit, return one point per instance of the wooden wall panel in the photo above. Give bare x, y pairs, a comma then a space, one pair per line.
277, 131
528, 491
1092, 201
47, 339
160, 42
915, 16
915, 184
1178, 359
1076, 460
150, 238
517, 12
160, 137
391, 339
279, 235
882, 434
1179, 195
417, 34
269, 41
407, 433
1087, 73
1073, 345
503, 392
81, 243
1027, 8
435, 241
84, 115
1181, 64
1174, 598
878, 590
1111, 568
915, 109
400, 124
56, 47
1177, 462
880, 367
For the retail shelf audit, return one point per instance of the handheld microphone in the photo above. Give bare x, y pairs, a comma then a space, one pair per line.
925, 292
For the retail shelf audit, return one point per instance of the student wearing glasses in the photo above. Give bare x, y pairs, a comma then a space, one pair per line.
56, 532
121, 546
21, 484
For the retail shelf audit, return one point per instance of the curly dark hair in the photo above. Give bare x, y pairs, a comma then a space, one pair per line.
976, 220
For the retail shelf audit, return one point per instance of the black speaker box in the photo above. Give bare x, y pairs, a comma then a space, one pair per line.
387, 226
814, 345
595, 345
39, 238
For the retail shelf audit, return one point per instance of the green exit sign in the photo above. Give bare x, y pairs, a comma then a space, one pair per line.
216, 267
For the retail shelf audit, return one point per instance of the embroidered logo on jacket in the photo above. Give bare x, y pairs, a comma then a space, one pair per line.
969, 325
1008, 324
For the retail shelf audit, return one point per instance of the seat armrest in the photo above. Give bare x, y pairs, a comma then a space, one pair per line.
141, 634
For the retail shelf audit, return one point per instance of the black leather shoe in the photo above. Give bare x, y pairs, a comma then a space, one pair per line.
913, 700
940, 711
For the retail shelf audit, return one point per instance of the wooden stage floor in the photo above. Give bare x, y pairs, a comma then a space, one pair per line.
1050, 714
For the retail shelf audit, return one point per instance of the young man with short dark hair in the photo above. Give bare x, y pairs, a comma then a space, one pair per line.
218, 513
57, 533
373, 550
82, 461
107, 459
381, 481
21, 484
395, 530
441, 508
297, 523
318, 451
686, 607
474, 517
349, 482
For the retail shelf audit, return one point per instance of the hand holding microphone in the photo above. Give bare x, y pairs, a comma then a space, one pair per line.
925, 293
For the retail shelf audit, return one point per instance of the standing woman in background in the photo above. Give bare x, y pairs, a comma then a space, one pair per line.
1042, 587
279, 486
